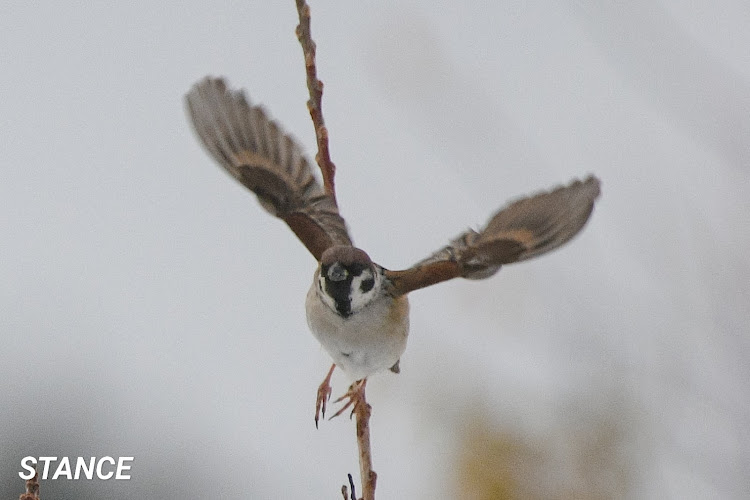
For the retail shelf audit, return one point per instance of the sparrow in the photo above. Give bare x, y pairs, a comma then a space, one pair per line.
359, 310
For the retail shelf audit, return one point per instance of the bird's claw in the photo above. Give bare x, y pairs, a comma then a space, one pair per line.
324, 394
355, 396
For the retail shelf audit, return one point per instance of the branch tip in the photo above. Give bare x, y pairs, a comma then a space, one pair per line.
32, 489
314, 105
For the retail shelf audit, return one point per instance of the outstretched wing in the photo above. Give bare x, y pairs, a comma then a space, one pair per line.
522, 230
256, 152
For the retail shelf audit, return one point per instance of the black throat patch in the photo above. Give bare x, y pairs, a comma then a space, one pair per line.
340, 291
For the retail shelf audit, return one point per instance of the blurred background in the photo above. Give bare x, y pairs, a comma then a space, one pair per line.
150, 308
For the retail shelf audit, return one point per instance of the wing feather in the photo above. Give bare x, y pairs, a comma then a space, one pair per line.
256, 152
524, 229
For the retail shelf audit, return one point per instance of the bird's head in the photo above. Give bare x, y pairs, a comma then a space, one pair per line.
348, 279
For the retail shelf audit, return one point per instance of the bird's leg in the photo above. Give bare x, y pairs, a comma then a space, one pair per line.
355, 395
324, 394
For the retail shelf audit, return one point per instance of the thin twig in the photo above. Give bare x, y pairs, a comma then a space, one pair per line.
328, 169
314, 104
369, 477
356, 398
32, 489
351, 484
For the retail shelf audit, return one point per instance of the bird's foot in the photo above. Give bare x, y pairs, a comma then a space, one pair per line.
324, 394
355, 396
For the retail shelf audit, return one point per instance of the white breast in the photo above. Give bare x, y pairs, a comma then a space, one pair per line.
370, 340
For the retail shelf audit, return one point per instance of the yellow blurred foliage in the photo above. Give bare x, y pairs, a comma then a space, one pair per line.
587, 463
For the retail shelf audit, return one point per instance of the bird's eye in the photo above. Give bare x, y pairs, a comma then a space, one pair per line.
337, 272
367, 285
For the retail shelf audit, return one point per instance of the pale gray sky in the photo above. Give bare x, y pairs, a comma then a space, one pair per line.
151, 308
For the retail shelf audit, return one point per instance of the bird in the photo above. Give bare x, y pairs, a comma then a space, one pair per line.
357, 309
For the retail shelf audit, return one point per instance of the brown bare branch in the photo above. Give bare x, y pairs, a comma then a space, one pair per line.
314, 104
32, 489
369, 477
328, 170
355, 397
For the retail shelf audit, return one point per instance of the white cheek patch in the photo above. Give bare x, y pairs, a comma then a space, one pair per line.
372, 284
